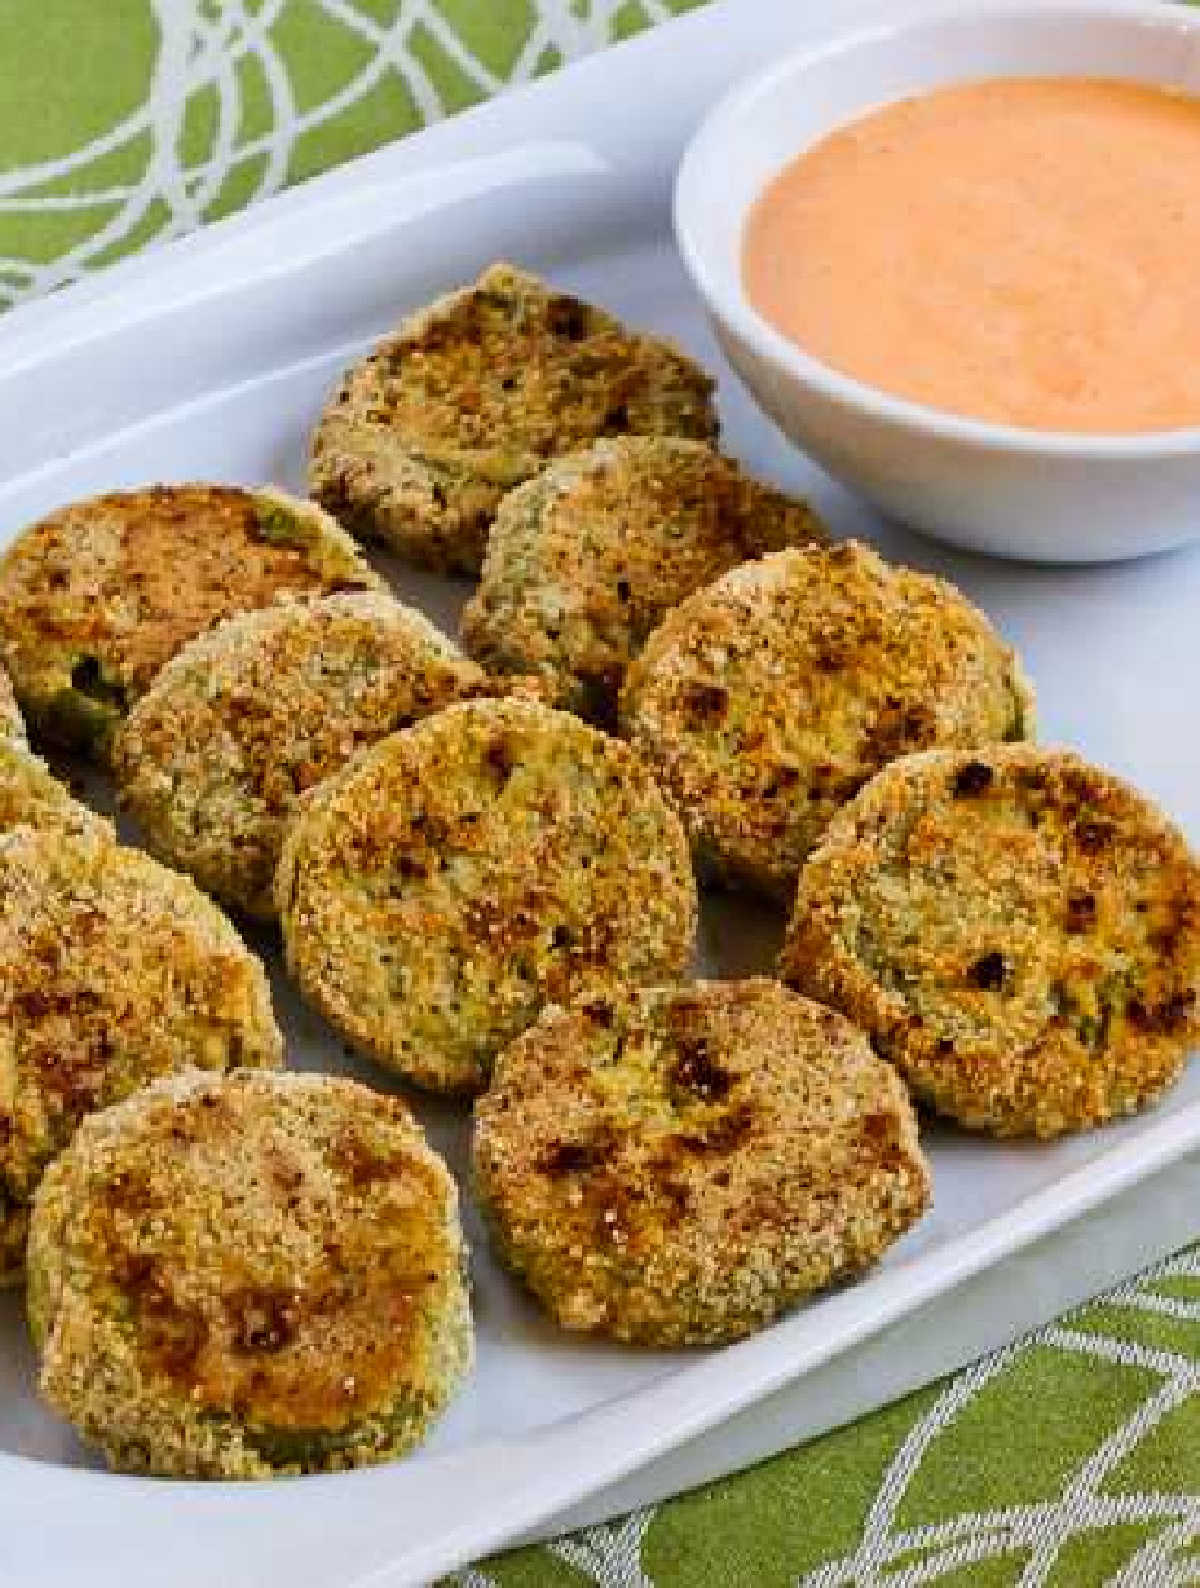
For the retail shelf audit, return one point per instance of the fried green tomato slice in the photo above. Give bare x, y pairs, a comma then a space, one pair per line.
249, 1275
12, 724
585, 560
212, 760
30, 795
678, 1165
473, 395
113, 971
1018, 931
491, 859
766, 700
96, 597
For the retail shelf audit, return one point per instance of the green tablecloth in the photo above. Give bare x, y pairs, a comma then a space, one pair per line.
1071, 1459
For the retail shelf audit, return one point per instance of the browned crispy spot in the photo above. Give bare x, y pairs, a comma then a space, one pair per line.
989, 971
724, 1135
1167, 1018
570, 1157
567, 317
897, 728
1094, 837
354, 1159
705, 703
696, 1071
1081, 912
973, 779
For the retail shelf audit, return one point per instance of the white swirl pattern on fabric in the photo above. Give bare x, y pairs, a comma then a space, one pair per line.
611, 1555
202, 48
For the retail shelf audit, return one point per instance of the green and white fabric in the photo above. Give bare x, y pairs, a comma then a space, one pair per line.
1071, 1459
1068, 1460
126, 122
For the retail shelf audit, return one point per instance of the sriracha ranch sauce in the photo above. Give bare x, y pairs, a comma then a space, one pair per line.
1025, 250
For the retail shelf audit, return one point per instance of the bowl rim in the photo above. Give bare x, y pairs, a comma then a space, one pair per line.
846, 390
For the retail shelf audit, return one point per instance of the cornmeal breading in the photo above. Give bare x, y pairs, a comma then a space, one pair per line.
473, 395
113, 971
462, 874
677, 1165
31, 795
1018, 931
212, 760
765, 701
249, 1275
585, 560
12, 724
96, 597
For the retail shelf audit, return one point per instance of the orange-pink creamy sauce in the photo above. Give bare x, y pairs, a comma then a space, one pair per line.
1020, 250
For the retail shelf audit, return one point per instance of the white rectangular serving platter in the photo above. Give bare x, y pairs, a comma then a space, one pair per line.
210, 358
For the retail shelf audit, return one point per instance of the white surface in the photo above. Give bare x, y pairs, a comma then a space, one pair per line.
212, 359
1050, 497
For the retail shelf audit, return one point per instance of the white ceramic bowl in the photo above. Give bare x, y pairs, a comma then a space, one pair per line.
1037, 495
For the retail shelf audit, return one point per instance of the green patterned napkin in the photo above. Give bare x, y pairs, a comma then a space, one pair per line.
126, 122
1069, 1460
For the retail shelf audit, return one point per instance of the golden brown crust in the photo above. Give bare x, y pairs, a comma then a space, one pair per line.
30, 795
12, 724
472, 395
585, 560
212, 760
113, 971
1019, 932
96, 597
766, 700
460, 875
678, 1165
248, 1275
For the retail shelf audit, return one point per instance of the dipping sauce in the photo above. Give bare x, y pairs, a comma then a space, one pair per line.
1025, 250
